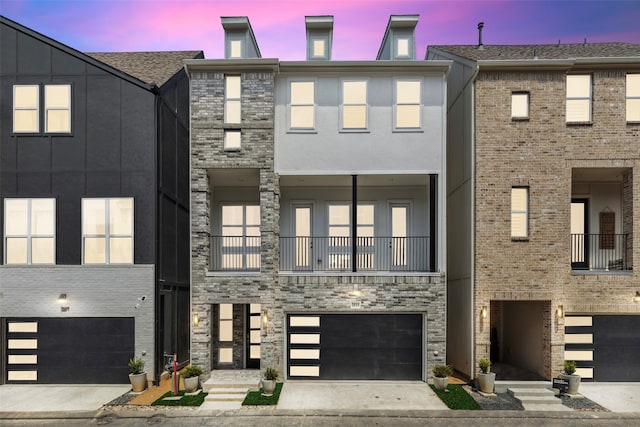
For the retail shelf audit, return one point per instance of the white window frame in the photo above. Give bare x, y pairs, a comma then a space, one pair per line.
29, 235
48, 108
228, 100
577, 98
519, 95
31, 108
402, 38
520, 212
231, 40
107, 232
230, 143
292, 106
633, 97
398, 104
312, 47
245, 249
344, 105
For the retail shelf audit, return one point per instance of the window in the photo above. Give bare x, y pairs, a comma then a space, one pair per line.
407, 111
25, 108
354, 104
520, 105
302, 105
232, 140
402, 47
232, 93
318, 48
57, 108
578, 98
340, 236
235, 48
633, 97
29, 230
519, 212
107, 231
225, 333
241, 237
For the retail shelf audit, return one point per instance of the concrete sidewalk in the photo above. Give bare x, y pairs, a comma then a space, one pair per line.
48, 398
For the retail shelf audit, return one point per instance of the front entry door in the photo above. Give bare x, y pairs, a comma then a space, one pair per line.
253, 336
579, 234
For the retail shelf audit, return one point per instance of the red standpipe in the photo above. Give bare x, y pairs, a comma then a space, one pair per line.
175, 375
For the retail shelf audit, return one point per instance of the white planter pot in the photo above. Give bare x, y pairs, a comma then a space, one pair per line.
486, 382
138, 382
268, 387
574, 382
440, 383
191, 384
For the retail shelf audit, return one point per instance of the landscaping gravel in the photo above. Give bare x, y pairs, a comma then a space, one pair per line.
501, 401
124, 399
582, 404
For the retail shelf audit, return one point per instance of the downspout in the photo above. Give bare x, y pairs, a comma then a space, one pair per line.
156, 297
473, 217
191, 325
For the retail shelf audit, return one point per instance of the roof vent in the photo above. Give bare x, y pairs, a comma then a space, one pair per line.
480, 27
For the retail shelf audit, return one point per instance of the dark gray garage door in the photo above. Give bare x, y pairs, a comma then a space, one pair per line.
608, 347
355, 346
69, 350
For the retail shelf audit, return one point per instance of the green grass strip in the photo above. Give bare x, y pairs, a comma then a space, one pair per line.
456, 397
256, 397
184, 401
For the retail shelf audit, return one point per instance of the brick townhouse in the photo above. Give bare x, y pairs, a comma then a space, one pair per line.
544, 202
318, 208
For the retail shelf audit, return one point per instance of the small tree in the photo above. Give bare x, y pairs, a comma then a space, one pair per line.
192, 371
569, 367
271, 374
136, 365
442, 371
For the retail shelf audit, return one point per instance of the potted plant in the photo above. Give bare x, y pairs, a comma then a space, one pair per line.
137, 375
441, 376
269, 381
570, 376
486, 379
191, 375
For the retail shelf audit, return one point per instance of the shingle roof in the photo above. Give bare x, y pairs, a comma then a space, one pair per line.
543, 51
150, 67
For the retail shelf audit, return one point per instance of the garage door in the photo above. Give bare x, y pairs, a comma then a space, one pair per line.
355, 346
606, 348
69, 350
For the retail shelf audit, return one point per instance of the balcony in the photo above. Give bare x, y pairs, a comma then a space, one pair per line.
600, 252
372, 254
235, 253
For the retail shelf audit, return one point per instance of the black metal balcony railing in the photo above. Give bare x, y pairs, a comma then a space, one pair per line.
600, 252
409, 254
235, 253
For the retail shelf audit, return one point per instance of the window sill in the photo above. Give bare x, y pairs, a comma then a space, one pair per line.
576, 124
633, 123
519, 119
232, 150
354, 131
519, 239
226, 125
309, 131
602, 272
408, 130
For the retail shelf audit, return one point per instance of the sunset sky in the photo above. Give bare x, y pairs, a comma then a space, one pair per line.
142, 25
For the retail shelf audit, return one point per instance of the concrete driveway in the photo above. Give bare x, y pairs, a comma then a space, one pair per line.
616, 397
361, 395
47, 398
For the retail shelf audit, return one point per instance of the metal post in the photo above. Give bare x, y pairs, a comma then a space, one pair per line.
354, 221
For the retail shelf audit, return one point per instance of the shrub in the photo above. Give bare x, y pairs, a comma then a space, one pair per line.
442, 371
569, 367
192, 371
271, 374
485, 364
136, 365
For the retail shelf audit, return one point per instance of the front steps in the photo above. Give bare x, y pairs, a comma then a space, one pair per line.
534, 395
227, 389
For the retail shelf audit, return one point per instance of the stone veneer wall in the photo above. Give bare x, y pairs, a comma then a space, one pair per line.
540, 153
277, 294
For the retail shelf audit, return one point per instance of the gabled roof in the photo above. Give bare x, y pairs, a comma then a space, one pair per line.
150, 67
542, 51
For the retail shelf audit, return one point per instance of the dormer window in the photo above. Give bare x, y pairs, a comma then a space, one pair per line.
318, 49
319, 36
235, 49
402, 47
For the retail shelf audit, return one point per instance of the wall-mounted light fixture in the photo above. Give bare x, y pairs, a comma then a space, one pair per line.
636, 298
62, 298
560, 311
355, 292
196, 320
483, 312
265, 318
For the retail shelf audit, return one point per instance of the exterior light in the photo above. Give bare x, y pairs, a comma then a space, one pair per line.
355, 292
560, 312
196, 320
62, 298
483, 312
636, 298
265, 318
